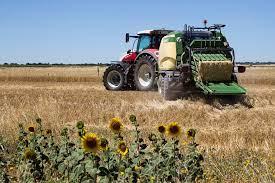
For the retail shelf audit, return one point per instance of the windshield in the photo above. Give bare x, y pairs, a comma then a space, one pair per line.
144, 42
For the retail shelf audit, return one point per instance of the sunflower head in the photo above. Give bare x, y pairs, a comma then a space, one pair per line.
39, 120
183, 170
152, 137
115, 125
122, 148
90, 142
64, 132
80, 125
191, 133
152, 179
173, 129
29, 154
49, 131
31, 128
133, 118
137, 168
161, 129
104, 143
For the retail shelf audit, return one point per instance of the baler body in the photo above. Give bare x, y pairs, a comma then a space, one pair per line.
201, 58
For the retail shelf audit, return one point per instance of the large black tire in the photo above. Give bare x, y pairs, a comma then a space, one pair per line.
114, 78
145, 73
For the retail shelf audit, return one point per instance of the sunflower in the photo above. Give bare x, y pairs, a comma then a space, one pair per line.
80, 125
104, 143
161, 129
152, 179
133, 118
29, 154
122, 148
38, 120
183, 170
115, 125
184, 143
90, 142
137, 168
49, 131
173, 129
31, 128
191, 133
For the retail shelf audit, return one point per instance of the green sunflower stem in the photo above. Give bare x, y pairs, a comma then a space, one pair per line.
94, 160
174, 154
137, 140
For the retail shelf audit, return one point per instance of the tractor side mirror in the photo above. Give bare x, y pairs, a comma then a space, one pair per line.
127, 37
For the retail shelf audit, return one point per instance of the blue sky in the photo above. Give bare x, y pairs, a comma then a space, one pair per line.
78, 31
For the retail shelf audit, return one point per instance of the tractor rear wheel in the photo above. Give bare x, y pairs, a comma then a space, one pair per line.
114, 78
144, 75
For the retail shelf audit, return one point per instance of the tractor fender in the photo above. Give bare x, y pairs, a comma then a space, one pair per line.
125, 65
153, 52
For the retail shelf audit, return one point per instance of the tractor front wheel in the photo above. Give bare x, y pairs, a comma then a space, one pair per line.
114, 78
145, 74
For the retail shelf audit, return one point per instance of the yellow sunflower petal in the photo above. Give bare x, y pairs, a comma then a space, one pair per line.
173, 129
90, 142
122, 148
31, 128
115, 125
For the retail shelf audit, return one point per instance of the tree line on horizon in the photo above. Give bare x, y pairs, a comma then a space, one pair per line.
28, 64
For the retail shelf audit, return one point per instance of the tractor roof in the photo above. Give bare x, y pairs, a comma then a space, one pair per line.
151, 32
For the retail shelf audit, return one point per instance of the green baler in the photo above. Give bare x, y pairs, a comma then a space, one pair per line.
197, 58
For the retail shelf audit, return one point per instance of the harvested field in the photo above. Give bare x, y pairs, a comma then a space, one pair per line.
230, 135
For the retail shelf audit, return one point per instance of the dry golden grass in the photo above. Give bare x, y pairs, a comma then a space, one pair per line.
63, 96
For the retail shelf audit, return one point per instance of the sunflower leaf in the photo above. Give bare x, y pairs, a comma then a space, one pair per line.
103, 171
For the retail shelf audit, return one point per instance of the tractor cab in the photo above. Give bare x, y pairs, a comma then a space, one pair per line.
144, 40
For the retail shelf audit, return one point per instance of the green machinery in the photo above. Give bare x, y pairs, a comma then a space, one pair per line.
197, 58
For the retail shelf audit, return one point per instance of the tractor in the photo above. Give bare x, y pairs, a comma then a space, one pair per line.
178, 62
137, 69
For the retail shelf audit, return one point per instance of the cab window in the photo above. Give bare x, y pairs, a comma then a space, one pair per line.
144, 42
156, 41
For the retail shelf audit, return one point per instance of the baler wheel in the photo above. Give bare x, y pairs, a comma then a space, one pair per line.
234, 78
114, 78
167, 92
173, 89
145, 74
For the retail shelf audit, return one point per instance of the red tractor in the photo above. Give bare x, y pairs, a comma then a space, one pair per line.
137, 69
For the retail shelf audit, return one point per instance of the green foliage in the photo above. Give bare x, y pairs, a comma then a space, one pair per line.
43, 157
3, 162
